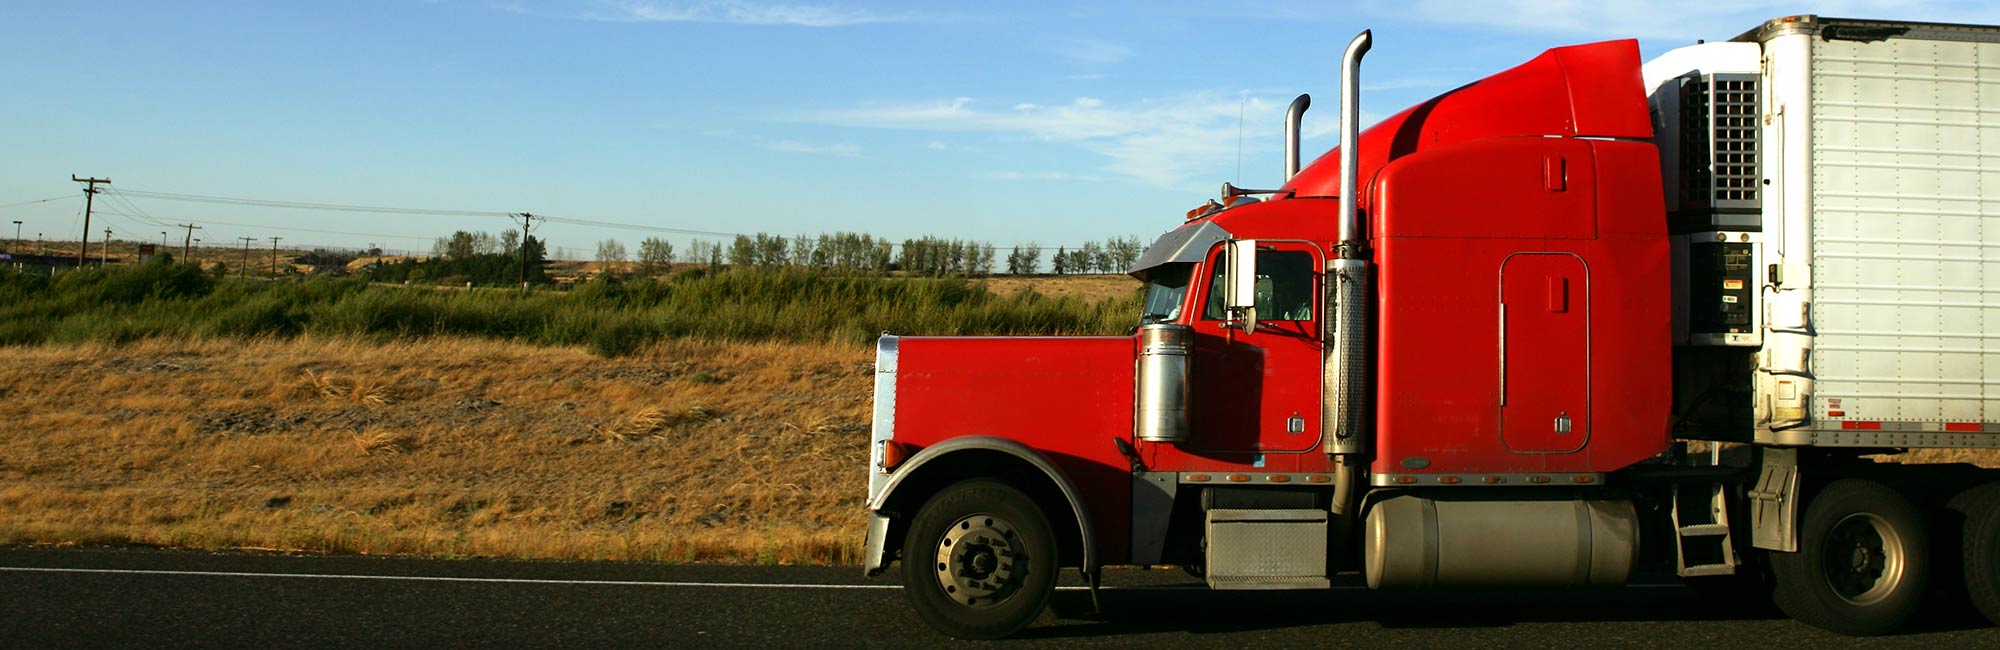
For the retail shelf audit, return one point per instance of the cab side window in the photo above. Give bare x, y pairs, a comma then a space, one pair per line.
1284, 286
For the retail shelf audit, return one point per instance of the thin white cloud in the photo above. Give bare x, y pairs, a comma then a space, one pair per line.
1165, 142
840, 149
1039, 176
1087, 50
735, 12
1408, 83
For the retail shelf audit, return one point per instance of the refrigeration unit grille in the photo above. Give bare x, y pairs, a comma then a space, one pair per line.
1719, 147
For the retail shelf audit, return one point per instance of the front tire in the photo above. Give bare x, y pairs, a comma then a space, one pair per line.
1862, 564
980, 560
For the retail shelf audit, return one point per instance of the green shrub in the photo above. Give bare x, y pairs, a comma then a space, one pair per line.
619, 337
610, 317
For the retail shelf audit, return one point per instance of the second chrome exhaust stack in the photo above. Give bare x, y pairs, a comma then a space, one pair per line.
1293, 116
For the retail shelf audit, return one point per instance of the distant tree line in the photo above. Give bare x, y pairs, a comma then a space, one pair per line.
476, 257
930, 256
1114, 255
486, 259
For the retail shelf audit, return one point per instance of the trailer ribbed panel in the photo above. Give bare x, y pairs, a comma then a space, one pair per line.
1906, 231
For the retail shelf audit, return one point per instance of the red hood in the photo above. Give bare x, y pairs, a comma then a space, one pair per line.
1589, 90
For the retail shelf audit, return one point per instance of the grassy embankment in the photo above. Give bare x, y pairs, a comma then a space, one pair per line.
729, 423
119, 305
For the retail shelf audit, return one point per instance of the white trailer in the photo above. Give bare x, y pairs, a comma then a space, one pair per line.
1834, 192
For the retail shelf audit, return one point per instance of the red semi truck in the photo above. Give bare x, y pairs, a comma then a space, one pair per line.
1473, 345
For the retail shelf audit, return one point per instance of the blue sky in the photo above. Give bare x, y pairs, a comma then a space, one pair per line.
1055, 123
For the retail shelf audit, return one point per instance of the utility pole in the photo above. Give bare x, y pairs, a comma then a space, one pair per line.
527, 222
17, 233
187, 244
163, 241
246, 257
89, 193
191, 257
274, 256
104, 253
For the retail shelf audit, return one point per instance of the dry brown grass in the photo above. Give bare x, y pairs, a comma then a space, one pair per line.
691, 451
1090, 288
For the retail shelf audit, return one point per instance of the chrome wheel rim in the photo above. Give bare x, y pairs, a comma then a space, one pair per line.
981, 561
1863, 559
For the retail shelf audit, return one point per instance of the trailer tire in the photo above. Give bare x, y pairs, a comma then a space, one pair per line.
1981, 506
1862, 563
980, 560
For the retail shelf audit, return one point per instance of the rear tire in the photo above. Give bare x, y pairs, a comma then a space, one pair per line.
1981, 506
980, 560
1862, 564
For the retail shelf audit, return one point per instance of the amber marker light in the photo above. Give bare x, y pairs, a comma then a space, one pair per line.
1583, 479
1405, 480
893, 455
1238, 478
1538, 479
1198, 478
1448, 480
1318, 478
1494, 479
1278, 478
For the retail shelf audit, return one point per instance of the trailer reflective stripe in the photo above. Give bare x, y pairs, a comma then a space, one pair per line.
1827, 423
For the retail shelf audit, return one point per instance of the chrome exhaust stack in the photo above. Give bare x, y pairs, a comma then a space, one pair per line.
1293, 117
1350, 136
1344, 410
1346, 397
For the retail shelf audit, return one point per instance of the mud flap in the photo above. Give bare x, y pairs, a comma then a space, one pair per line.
1774, 503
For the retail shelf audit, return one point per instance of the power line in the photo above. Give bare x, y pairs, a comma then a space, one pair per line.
141, 215
213, 222
344, 207
341, 207
52, 198
303, 205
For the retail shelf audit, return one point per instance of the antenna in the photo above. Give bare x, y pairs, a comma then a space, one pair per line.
1242, 100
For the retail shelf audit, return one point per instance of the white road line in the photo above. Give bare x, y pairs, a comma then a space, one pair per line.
615, 583
530, 581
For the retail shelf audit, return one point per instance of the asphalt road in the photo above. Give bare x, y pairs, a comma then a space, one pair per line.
84, 598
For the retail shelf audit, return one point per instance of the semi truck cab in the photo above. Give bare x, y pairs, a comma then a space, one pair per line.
1472, 347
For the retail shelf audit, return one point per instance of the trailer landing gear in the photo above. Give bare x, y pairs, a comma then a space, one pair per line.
980, 561
1862, 563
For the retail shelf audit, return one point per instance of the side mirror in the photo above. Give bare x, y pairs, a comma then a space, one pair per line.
1240, 282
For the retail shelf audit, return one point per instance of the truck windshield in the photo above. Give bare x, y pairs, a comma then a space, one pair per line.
1166, 287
